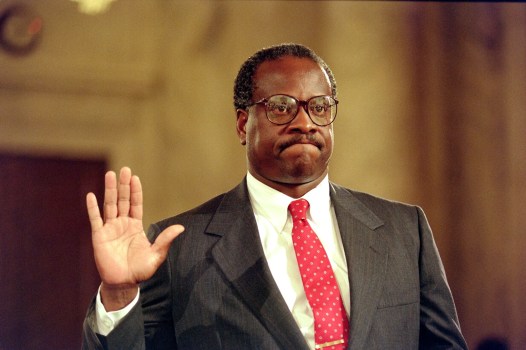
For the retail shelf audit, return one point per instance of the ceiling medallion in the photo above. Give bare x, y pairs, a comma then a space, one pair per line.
20, 29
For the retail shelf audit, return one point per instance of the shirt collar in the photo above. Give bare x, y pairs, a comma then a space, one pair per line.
272, 204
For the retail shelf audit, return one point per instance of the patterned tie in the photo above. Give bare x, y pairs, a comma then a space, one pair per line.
331, 327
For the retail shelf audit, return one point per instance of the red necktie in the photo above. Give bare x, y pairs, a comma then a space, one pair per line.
331, 327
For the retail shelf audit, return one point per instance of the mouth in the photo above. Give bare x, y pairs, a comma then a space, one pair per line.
301, 140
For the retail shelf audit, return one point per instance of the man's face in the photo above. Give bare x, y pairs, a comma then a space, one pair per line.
295, 153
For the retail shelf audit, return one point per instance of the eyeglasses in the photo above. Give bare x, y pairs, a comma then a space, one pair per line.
282, 109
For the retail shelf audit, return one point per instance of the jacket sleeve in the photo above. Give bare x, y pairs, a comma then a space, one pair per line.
127, 335
439, 325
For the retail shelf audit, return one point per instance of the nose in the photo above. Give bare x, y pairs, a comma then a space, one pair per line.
302, 122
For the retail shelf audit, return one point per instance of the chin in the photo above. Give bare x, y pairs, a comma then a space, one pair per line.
302, 174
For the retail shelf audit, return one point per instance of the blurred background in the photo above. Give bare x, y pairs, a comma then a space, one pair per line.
432, 112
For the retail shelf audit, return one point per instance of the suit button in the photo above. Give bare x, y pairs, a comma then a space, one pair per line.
107, 322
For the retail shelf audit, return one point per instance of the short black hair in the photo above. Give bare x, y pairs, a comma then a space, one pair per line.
244, 83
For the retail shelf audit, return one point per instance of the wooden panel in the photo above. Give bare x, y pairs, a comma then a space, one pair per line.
46, 260
468, 77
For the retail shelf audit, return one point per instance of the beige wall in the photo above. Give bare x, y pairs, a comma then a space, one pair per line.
432, 112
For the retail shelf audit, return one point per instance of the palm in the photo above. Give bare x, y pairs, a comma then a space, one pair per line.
123, 254
121, 251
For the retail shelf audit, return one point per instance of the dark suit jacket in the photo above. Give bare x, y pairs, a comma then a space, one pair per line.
215, 290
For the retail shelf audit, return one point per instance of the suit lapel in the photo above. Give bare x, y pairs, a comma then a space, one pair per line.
240, 256
366, 253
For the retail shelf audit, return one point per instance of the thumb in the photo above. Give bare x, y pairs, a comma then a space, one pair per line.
165, 238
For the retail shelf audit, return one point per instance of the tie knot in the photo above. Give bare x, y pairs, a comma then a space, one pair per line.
298, 209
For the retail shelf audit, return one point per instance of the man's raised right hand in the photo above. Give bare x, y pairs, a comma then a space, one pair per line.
123, 254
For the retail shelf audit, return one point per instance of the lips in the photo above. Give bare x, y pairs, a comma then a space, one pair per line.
301, 140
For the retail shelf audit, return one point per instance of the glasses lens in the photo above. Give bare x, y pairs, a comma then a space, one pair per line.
281, 109
322, 109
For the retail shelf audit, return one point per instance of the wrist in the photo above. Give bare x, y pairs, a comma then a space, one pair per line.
116, 297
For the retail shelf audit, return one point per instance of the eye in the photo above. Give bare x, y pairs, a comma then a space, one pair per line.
282, 108
280, 105
278, 108
318, 109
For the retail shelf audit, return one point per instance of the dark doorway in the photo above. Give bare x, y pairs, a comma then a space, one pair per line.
47, 271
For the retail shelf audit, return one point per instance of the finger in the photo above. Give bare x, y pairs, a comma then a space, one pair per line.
123, 205
165, 238
110, 195
136, 208
93, 212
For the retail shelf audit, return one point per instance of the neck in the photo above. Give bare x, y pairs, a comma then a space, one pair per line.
294, 189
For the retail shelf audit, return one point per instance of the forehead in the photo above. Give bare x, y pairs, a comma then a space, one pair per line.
298, 77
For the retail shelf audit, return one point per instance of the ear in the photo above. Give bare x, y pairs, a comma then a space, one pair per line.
242, 119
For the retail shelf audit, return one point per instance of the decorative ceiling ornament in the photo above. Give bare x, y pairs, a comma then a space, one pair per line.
20, 29
93, 7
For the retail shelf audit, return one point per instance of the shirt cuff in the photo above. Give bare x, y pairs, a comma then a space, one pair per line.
107, 321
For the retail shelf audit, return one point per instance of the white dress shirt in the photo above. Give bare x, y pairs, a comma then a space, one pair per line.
275, 231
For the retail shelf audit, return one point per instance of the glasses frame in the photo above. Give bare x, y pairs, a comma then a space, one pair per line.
300, 103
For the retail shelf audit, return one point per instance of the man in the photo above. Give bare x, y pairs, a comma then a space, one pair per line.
238, 277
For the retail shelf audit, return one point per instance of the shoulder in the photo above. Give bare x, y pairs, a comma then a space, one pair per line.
400, 224
383, 208
339, 191
226, 203
203, 211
